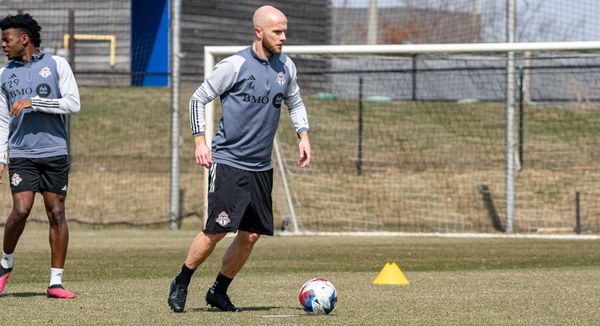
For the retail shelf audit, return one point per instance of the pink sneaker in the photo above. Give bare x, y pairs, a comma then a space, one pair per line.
4, 274
60, 293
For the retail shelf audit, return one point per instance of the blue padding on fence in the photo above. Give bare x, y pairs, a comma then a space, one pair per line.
150, 42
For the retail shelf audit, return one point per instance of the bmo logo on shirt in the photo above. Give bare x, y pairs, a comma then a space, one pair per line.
19, 92
255, 99
277, 99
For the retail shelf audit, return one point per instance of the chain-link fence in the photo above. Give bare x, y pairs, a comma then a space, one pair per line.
120, 142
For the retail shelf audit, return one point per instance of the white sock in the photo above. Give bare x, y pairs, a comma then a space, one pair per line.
56, 276
7, 260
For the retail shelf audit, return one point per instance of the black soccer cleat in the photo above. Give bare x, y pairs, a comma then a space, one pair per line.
177, 296
220, 301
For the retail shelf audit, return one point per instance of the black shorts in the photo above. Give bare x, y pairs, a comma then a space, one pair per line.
239, 200
49, 174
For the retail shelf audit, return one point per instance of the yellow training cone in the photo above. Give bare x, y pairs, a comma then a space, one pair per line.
391, 274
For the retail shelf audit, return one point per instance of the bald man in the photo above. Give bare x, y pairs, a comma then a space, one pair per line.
252, 84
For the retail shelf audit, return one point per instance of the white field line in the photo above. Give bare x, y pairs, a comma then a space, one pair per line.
447, 235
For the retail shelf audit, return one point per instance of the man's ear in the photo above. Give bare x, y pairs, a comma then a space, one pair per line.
25, 39
259, 33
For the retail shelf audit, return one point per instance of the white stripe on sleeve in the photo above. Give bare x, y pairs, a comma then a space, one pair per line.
4, 122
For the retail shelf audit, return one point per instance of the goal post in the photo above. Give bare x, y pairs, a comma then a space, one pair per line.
439, 113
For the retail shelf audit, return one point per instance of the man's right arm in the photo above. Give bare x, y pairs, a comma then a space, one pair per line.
221, 80
202, 153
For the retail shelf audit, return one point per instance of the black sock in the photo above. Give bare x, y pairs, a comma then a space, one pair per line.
185, 276
221, 283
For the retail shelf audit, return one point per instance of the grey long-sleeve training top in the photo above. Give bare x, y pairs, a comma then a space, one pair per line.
39, 131
252, 90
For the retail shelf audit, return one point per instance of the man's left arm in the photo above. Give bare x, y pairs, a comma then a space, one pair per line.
300, 120
304, 148
69, 101
299, 117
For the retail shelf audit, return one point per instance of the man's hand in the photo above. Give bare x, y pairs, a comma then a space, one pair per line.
304, 149
203, 154
2, 165
19, 106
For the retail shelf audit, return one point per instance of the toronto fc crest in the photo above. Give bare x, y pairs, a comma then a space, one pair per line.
45, 72
280, 79
223, 219
16, 179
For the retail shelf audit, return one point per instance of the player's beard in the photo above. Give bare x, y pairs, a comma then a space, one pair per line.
271, 48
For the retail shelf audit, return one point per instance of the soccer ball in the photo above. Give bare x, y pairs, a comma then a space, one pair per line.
318, 296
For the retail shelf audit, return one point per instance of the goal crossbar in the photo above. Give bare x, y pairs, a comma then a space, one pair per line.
420, 48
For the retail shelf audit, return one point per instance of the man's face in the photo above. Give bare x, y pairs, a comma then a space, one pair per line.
13, 41
273, 36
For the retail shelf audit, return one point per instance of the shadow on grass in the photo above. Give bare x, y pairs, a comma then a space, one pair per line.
490, 207
23, 295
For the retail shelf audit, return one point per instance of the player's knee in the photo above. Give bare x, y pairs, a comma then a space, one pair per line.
21, 211
211, 238
252, 238
56, 216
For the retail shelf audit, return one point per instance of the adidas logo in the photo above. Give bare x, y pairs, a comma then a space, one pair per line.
12, 76
64, 188
251, 77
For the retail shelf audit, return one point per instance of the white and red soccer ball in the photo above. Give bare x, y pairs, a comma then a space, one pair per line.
318, 296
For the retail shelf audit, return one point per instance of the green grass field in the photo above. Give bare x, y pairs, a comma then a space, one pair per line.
122, 277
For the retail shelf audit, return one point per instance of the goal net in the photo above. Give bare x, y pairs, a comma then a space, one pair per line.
413, 138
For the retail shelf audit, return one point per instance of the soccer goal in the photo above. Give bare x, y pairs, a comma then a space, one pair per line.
442, 138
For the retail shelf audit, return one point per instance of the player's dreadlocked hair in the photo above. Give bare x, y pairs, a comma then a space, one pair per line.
26, 24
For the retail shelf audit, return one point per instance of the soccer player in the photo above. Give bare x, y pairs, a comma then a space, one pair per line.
37, 91
252, 84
